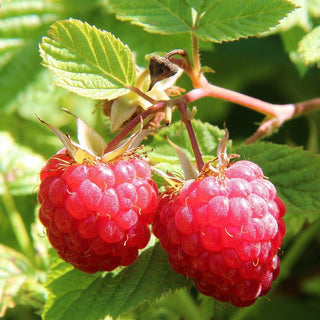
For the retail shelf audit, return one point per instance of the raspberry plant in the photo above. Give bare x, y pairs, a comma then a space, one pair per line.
154, 83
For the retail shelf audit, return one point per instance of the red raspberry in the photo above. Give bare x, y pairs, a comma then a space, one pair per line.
224, 232
97, 215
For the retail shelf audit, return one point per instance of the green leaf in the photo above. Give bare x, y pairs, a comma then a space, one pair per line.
290, 41
211, 20
9, 45
19, 167
207, 137
18, 73
297, 18
312, 285
73, 294
14, 271
295, 173
88, 61
160, 16
228, 20
309, 47
26, 19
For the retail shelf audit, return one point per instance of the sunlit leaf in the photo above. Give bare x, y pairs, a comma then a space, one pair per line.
87, 60
309, 47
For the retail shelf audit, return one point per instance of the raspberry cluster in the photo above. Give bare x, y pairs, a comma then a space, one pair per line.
224, 232
97, 215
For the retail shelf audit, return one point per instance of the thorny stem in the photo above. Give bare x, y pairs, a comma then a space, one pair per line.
182, 107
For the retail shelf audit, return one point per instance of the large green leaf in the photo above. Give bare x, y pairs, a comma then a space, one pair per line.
88, 61
19, 167
211, 20
163, 16
295, 173
73, 294
230, 20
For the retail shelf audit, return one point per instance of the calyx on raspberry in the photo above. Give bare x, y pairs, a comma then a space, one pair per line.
96, 207
223, 229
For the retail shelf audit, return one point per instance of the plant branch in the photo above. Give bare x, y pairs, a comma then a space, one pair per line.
276, 114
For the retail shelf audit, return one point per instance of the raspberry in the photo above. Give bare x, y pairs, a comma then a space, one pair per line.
97, 214
224, 231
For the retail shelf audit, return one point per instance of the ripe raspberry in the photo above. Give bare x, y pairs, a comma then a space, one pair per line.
224, 231
96, 215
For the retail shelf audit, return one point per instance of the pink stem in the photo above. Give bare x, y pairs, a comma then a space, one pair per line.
258, 105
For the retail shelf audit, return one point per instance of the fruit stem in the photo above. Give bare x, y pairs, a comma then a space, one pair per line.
142, 94
17, 224
133, 123
182, 107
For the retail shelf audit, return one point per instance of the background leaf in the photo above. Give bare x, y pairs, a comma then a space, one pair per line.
74, 293
19, 167
295, 173
88, 61
207, 136
16, 273
309, 47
